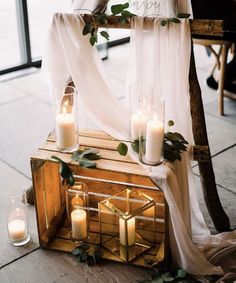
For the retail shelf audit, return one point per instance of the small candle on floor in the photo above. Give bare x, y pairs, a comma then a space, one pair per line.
17, 230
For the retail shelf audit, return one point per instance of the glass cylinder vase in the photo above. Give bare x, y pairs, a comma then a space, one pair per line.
77, 207
18, 221
151, 138
66, 118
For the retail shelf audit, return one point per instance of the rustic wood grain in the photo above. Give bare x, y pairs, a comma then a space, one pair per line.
198, 27
112, 175
212, 200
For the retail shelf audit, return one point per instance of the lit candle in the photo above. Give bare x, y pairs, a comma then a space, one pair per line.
154, 140
138, 123
76, 202
79, 224
17, 230
66, 132
130, 231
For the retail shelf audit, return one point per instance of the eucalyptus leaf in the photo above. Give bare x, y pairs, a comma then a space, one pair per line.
122, 149
105, 34
93, 156
65, 171
117, 9
77, 154
87, 28
126, 13
88, 151
163, 23
76, 252
126, 5
102, 18
183, 15
170, 123
92, 40
175, 20
85, 162
167, 277
181, 273
135, 146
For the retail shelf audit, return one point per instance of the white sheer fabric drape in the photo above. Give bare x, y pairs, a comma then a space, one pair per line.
158, 57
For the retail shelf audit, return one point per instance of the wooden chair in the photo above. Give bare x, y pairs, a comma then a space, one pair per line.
221, 61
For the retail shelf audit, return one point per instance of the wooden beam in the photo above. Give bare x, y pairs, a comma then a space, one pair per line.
198, 27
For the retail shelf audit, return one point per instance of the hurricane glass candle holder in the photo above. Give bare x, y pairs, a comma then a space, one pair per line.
77, 211
152, 137
127, 224
66, 118
18, 221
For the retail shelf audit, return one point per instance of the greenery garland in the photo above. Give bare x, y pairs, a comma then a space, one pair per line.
91, 25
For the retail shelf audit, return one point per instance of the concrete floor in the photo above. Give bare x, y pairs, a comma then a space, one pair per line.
26, 118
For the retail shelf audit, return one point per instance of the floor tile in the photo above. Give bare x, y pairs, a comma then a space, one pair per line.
228, 200
221, 133
60, 268
225, 169
229, 110
9, 93
33, 85
24, 126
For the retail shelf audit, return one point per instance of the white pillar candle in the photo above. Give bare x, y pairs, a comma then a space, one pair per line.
138, 122
79, 224
17, 230
130, 231
154, 140
66, 132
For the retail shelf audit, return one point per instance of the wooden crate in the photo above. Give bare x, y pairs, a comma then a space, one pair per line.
113, 174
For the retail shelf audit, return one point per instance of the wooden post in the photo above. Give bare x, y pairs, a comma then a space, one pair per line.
216, 211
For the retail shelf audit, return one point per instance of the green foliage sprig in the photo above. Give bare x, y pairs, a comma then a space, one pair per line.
91, 26
173, 145
166, 21
65, 172
84, 253
165, 274
86, 158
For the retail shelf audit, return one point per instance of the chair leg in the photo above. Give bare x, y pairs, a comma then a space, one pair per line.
223, 62
212, 200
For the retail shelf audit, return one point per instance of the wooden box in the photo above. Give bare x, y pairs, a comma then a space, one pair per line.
113, 174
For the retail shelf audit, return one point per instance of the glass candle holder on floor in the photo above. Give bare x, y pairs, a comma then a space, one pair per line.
66, 118
77, 211
152, 137
127, 224
18, 221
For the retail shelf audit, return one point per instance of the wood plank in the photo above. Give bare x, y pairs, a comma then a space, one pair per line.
202, 27
50, 148
38, 185
98, 134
